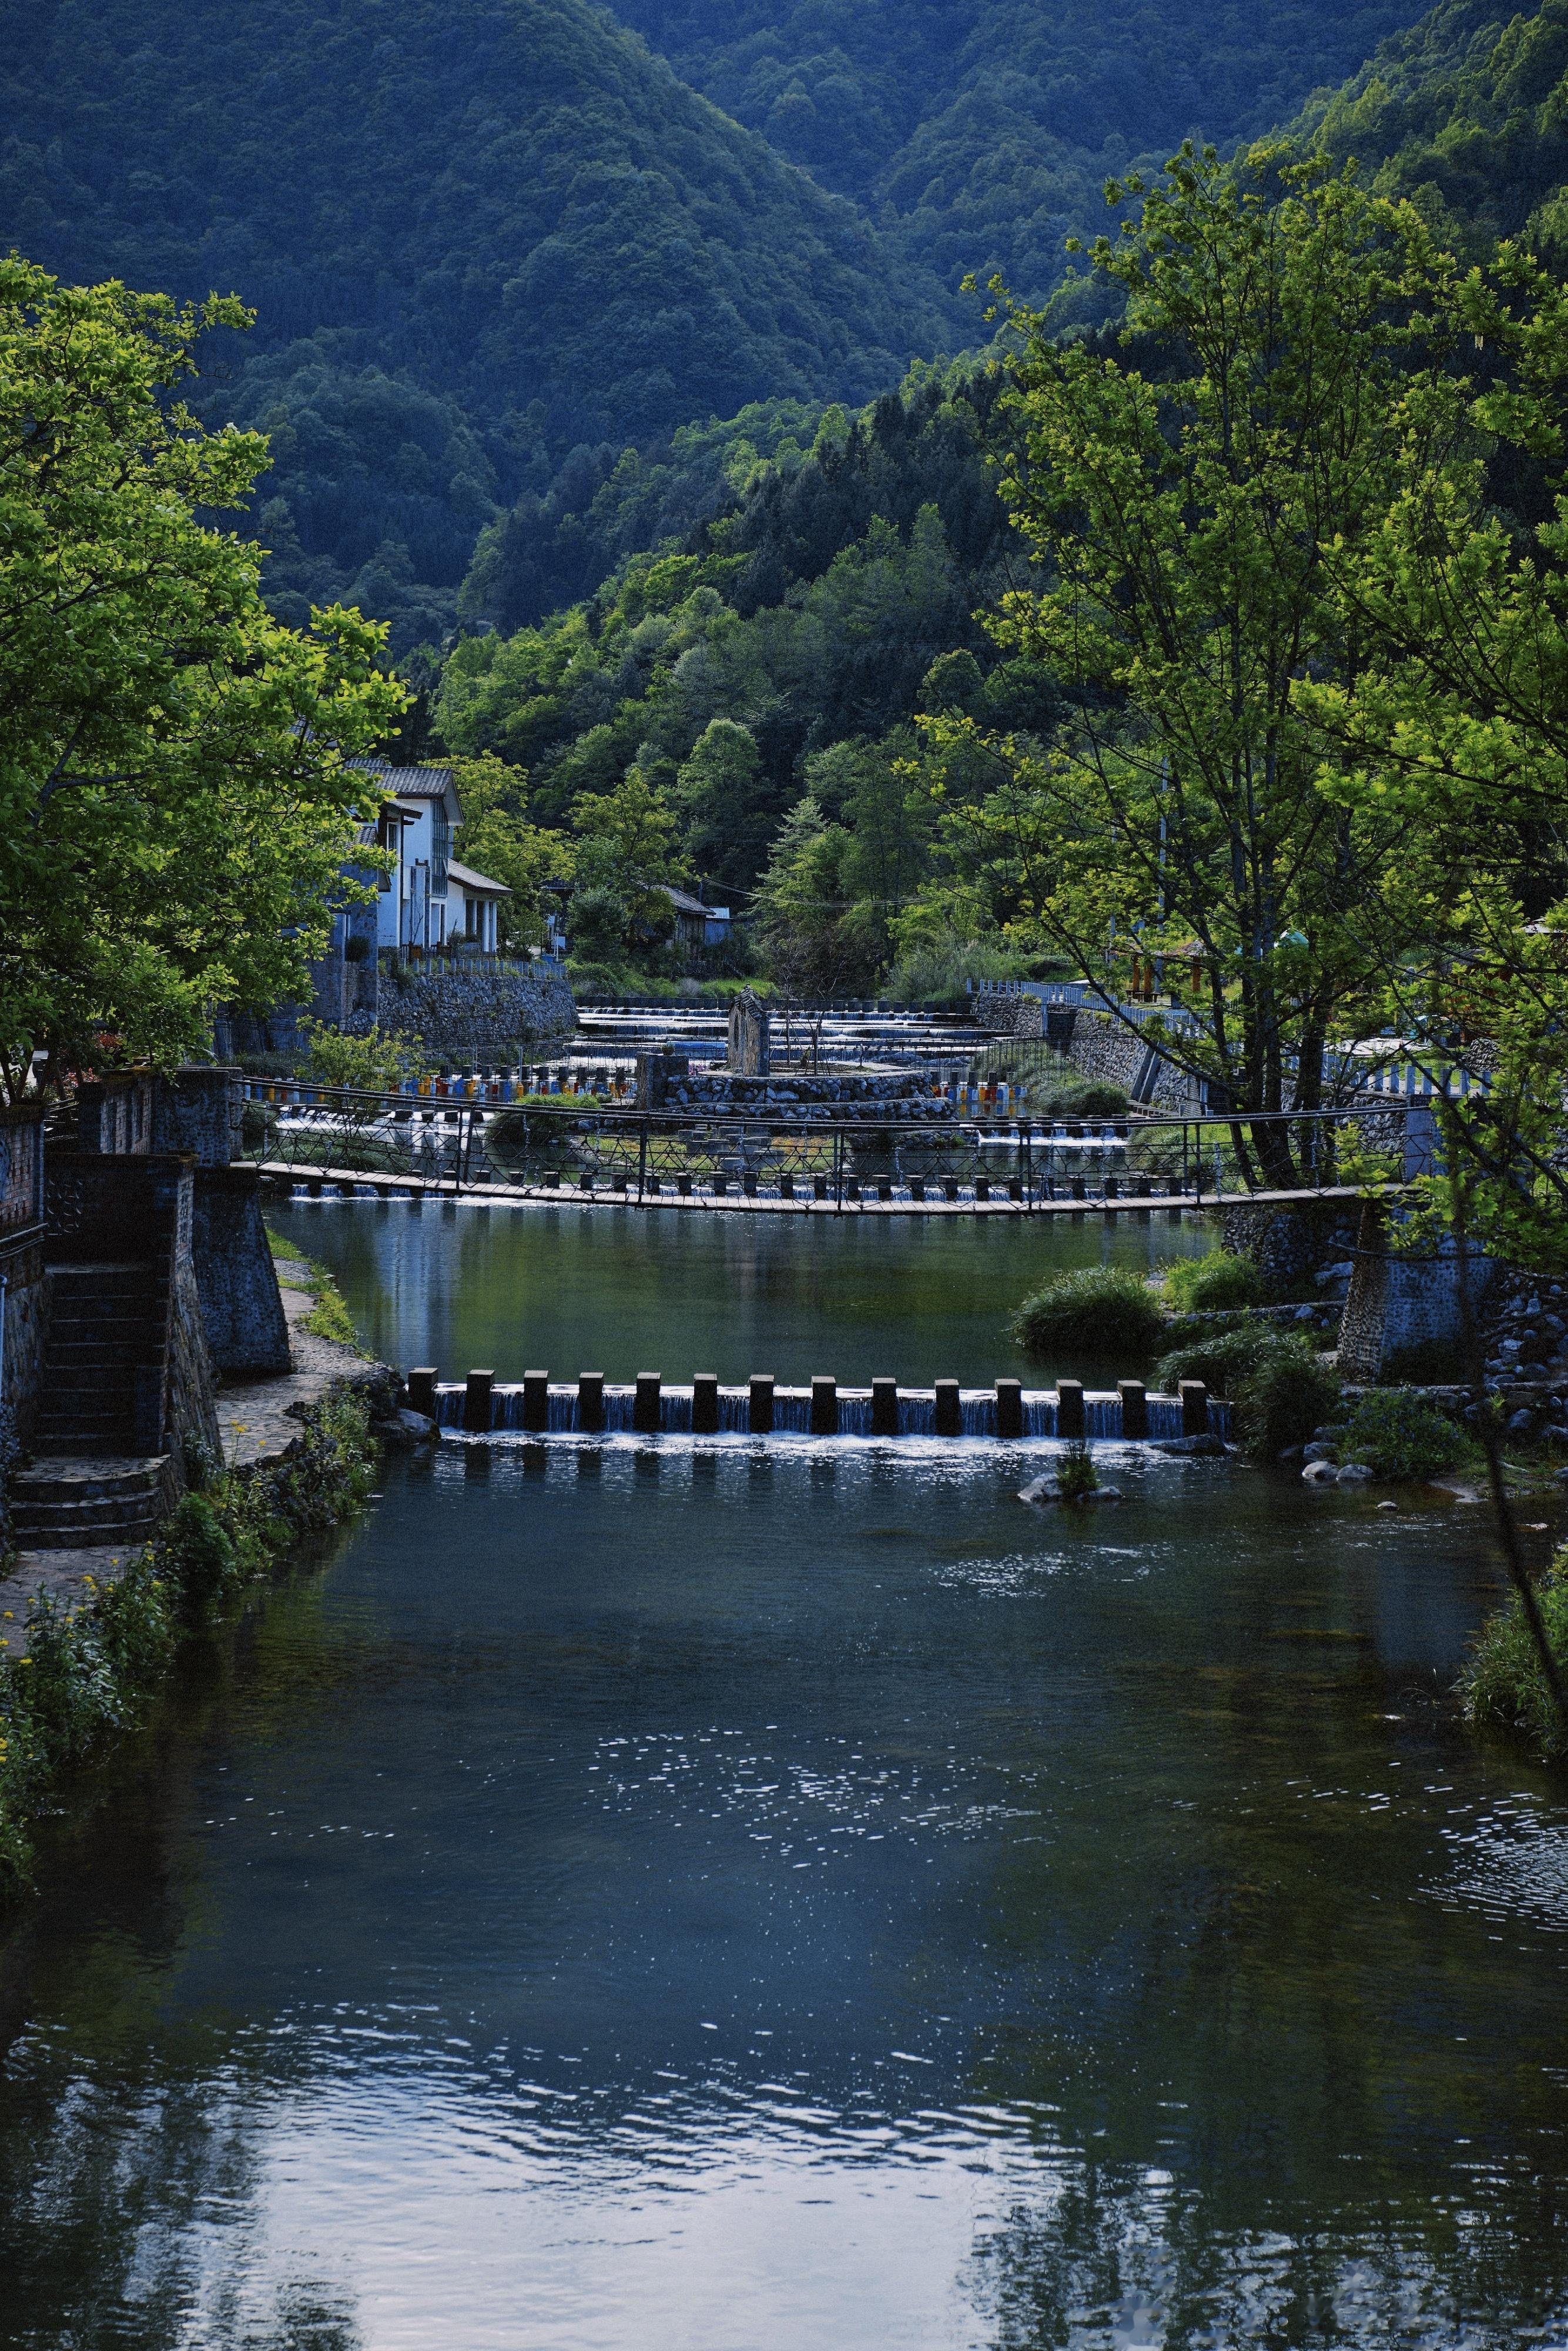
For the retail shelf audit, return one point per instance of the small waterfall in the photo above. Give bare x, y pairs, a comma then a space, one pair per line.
792, 1411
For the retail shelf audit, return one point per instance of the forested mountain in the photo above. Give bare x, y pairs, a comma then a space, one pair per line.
978, 132
1467, 114
476, 233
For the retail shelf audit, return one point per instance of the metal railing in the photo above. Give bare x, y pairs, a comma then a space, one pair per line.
457, 1143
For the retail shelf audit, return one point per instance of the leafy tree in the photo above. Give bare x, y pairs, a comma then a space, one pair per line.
803, 912
716, 801
175, 805
624, 848
499, 840
1188, 493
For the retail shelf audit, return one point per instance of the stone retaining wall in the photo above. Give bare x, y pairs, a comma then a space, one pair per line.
1100, 1046
894, 1096
482, 1016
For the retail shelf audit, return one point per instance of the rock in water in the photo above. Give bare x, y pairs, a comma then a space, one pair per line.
1320, 1473
1205, 1447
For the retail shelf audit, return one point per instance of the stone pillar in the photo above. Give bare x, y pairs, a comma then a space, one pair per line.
1010, 1407
646, 1415
748, 1052
705, 1403
824, 1406
1135, 1408
536, 1400
884, 1407
949, 1416
761, 1404
590, 1402
421, 1390
1193, 1408
476, 1404
1070, 1408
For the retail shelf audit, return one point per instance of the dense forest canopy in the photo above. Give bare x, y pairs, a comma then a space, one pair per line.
978, 133
474, 235
495, 246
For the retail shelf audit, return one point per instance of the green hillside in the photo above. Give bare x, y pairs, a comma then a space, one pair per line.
978, 133
476, 234
1467, 113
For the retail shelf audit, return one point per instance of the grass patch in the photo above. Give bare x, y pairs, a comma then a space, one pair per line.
1213, 1284
329, 1317
1098, 1311
1281, 1390
1503, 1686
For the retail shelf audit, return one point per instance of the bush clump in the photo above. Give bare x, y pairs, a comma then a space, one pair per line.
1076, 1476
1280, 1389
1100, 1309
1083, 1097
1220, 1359
1400, 1434
1503, 1686
1288, 1392
1215, 1284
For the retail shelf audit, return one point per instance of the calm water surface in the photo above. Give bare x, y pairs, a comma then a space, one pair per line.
653, 1899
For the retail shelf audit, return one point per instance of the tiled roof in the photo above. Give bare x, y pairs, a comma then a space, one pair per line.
466, 879
408, 783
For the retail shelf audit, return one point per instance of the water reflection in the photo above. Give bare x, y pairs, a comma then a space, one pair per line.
648, 1896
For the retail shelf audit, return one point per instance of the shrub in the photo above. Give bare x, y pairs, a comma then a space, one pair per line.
198, 1553
1076, 1476
1399, 1434
1210, 1284
1502, 1686
1083, 1098
1220, 1359
1101, 1310
1288, 1393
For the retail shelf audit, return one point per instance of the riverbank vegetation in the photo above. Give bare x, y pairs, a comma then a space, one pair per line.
72, 1679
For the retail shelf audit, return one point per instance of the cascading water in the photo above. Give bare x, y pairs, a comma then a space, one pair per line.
792, 1413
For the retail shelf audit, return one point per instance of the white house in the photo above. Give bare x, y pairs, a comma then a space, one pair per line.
428, 901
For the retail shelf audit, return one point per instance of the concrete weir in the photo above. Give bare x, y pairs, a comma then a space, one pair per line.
537, 1406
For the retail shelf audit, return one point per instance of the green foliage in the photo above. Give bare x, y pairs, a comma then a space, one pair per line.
1222, 1359
92, 1671
1098, 1311
942, 970
1220, 1280
1186, 483
596, 255
173, 792
499, 840
1284, 1396
1503, 1686
1076, 1476
329, 1317
1083, 1098
374, 1063
1400, 1434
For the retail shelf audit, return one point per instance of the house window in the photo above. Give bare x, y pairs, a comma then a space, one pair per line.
471, 917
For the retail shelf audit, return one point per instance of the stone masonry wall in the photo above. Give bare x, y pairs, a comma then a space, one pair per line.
1102, 1047
474, 1016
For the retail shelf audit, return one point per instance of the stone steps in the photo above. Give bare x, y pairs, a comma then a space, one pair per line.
93, 1501
106, 1326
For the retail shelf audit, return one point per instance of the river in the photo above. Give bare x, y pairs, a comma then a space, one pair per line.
633, 1896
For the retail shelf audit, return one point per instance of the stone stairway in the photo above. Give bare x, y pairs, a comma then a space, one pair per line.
88, 1503
106, 1343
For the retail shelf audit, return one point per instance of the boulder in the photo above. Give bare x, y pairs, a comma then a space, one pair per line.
1208, 1447
1043, 1492
1319, 1449
1320, 1473
1355, 1473
403, 1429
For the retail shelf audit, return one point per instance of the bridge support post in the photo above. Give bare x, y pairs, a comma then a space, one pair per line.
645, 1414
1193, 1408
477, 1402
1135, 1408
